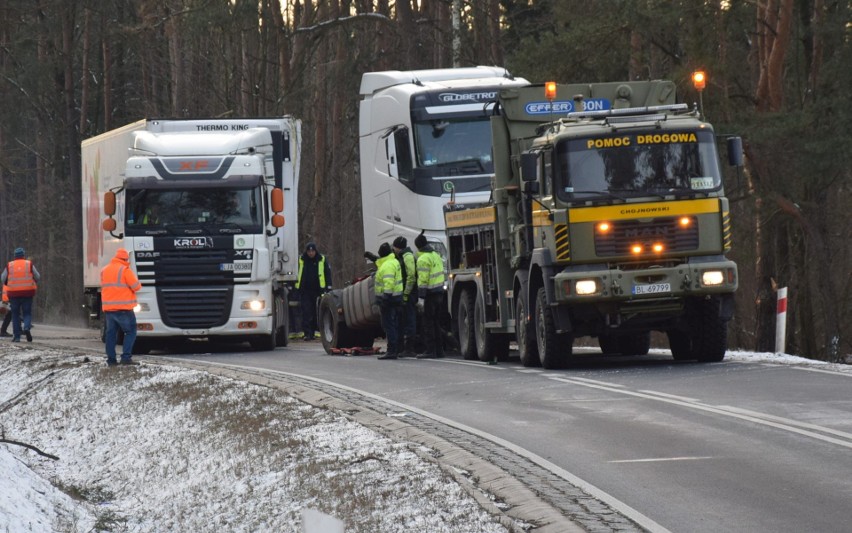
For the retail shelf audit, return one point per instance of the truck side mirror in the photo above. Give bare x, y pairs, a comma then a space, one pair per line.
109, 203
529, 167
277, 200
735, 151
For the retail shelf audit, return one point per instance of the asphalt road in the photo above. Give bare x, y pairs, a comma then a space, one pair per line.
691, 447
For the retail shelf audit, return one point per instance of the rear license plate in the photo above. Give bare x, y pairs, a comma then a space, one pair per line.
653, 288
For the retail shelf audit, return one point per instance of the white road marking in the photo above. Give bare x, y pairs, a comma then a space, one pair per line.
662, 459
765, 420
658, 393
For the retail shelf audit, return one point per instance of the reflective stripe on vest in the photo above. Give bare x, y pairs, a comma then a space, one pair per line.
19, 278
117, 295
430, 271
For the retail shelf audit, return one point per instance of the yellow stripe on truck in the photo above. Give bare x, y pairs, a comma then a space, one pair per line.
646, 210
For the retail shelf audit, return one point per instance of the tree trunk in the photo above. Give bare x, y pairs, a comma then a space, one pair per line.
774, 20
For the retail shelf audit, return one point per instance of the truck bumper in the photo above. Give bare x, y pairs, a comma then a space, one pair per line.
235, 327
608, 287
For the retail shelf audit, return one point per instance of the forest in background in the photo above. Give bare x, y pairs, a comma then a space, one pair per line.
72, 69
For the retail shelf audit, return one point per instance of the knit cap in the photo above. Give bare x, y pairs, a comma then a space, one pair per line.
420, 241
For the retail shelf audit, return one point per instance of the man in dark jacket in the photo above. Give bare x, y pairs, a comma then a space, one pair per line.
314, 279
408, 311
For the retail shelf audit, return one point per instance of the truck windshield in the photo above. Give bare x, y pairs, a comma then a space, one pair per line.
218, 210
636, 164
456, 146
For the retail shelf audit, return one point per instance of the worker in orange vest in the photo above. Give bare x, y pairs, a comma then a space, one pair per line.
119, 286
21, 279
7, 314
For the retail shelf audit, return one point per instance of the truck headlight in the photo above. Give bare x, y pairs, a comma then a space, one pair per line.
253, 305
585, 287
712, 278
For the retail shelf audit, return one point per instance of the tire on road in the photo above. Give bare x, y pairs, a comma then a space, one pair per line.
489, 346
465, 324
551, 351
525, 334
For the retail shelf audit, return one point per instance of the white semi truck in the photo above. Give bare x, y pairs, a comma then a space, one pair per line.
425, 141
200, 206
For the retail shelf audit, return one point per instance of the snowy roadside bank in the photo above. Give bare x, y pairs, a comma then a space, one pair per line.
156, 448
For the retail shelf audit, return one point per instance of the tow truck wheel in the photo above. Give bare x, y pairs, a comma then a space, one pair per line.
467, 337
680, 345
550, 343
628, 344
489, 346
709, 333
608, 344
527, 347
635, 343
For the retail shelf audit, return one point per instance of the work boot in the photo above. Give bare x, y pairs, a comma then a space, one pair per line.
390, 354
408, 348
29, 335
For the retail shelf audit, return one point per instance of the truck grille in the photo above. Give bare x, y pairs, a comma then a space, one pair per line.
189, 267
195, 308
669, 231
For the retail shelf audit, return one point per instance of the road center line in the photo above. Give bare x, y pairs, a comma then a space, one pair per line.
762, 419
661, 459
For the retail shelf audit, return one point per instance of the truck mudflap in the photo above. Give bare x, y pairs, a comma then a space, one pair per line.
645, 286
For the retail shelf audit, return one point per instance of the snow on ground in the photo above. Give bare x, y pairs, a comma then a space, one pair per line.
158, 448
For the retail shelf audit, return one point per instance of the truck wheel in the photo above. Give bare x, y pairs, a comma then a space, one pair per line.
334, 332
635, 343
465, 323
141, 347
550, 344
608, 344
709, 333
680, 344
489, 346
283, 332
265, 343
627, 344
525, 336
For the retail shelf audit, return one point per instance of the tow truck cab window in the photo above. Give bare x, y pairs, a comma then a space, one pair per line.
636, 164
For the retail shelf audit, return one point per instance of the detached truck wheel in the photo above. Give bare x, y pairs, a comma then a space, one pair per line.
333, 329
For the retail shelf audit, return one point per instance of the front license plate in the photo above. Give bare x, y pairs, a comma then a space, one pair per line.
235, 267
653, 288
